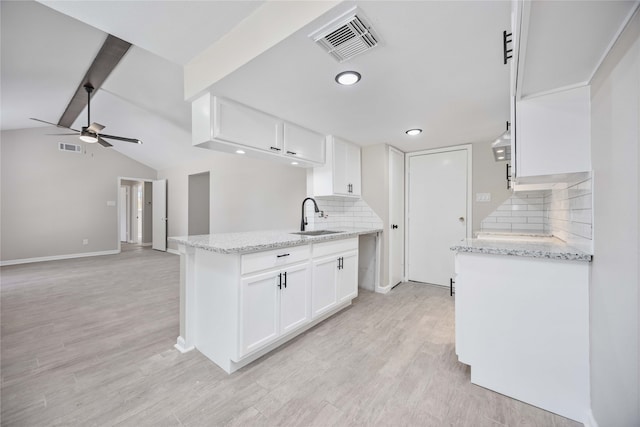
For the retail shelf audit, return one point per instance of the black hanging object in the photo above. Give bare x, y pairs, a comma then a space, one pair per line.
506, 39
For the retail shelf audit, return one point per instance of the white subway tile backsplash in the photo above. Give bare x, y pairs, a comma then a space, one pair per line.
564, 212
341, 213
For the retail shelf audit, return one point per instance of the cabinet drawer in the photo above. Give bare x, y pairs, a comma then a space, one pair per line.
334, 247
275, 258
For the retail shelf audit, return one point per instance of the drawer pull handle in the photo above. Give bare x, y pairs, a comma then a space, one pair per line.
275, 148
280, 256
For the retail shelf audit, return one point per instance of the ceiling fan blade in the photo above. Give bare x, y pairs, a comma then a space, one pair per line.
53, 124
120, 138
110, 54
104, 143
62, 134
95, 127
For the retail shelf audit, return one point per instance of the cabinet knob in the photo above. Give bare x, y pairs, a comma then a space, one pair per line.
394, 226
461, 219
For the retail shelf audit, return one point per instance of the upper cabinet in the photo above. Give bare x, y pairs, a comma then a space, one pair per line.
225, 125
553, 135
303, 143
237, 123
340, 176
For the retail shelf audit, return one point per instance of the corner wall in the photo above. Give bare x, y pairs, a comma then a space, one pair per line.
614, 296
52, 199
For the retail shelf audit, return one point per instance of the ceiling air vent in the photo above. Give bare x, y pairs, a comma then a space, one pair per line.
69, 147
346, 36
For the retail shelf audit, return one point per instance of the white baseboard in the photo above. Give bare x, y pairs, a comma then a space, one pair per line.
56, 257
591, 420
173, 251
145, 244
181, 346
383, 289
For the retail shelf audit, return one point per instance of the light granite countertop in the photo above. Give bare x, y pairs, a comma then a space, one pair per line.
527, 246
255, 241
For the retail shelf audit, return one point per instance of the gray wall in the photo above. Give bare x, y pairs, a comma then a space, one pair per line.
614, 296
246, 194
199, 195
52, 200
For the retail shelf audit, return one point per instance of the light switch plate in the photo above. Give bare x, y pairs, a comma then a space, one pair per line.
483, 197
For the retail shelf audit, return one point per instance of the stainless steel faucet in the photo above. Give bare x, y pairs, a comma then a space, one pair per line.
304, 222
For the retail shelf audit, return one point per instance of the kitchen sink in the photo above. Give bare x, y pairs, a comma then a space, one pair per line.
316, 232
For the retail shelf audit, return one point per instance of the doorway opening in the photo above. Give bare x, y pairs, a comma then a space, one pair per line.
198, 208
134, 212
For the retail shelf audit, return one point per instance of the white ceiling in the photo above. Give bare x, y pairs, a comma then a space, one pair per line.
439, 67
566, 41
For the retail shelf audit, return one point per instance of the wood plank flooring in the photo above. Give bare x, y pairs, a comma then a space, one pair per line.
90, 342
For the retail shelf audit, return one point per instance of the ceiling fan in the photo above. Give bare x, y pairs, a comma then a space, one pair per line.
92, 131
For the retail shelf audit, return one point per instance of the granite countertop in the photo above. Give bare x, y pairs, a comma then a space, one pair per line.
527, 246
255, 241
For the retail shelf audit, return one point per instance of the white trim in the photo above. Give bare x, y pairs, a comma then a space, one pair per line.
145, 244
56, 257
387, 288
180, 346
384, 289
173, 251
407, 157
590, 420
554, 90
119, 182
613, 41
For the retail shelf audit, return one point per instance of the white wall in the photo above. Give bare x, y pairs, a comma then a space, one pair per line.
614, 298
246, 194
52, 200
199, 201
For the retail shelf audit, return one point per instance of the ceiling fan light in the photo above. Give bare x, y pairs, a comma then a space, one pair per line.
348, 78
88, 138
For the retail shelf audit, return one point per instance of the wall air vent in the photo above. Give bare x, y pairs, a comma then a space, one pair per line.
69, 147
346, 37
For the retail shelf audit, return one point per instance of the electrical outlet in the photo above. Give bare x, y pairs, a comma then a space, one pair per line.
483, 197
85, 241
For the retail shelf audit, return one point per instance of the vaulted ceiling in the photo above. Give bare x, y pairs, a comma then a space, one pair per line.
438, 67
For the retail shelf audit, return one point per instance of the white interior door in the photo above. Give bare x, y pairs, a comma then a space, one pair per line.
124, 217
396, 217
159, 215
437, 213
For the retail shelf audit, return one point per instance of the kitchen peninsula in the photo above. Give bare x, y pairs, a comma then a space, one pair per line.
522, 319
244, 294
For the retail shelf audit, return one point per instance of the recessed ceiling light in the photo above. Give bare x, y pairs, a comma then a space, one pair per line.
294, 163
413, 132
501, 158
240, 151
500, 151
348, 78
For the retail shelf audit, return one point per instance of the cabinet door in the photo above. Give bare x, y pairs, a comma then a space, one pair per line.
294, 298
323, 285
340, 166
303, 143
240, 124
347, 287
353, 169
259, 310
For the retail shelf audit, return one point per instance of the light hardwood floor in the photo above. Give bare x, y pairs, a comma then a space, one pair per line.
90, 342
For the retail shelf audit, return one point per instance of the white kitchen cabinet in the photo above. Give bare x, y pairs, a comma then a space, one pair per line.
237, 123
553, 136
271, 305
240, 306
225, 125
302, 143
341, 173
334, 275
522, 324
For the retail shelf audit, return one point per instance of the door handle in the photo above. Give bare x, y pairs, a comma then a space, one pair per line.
394, 226
461, 219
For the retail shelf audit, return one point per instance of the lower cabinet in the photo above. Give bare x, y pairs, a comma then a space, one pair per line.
335, 280
272, 304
